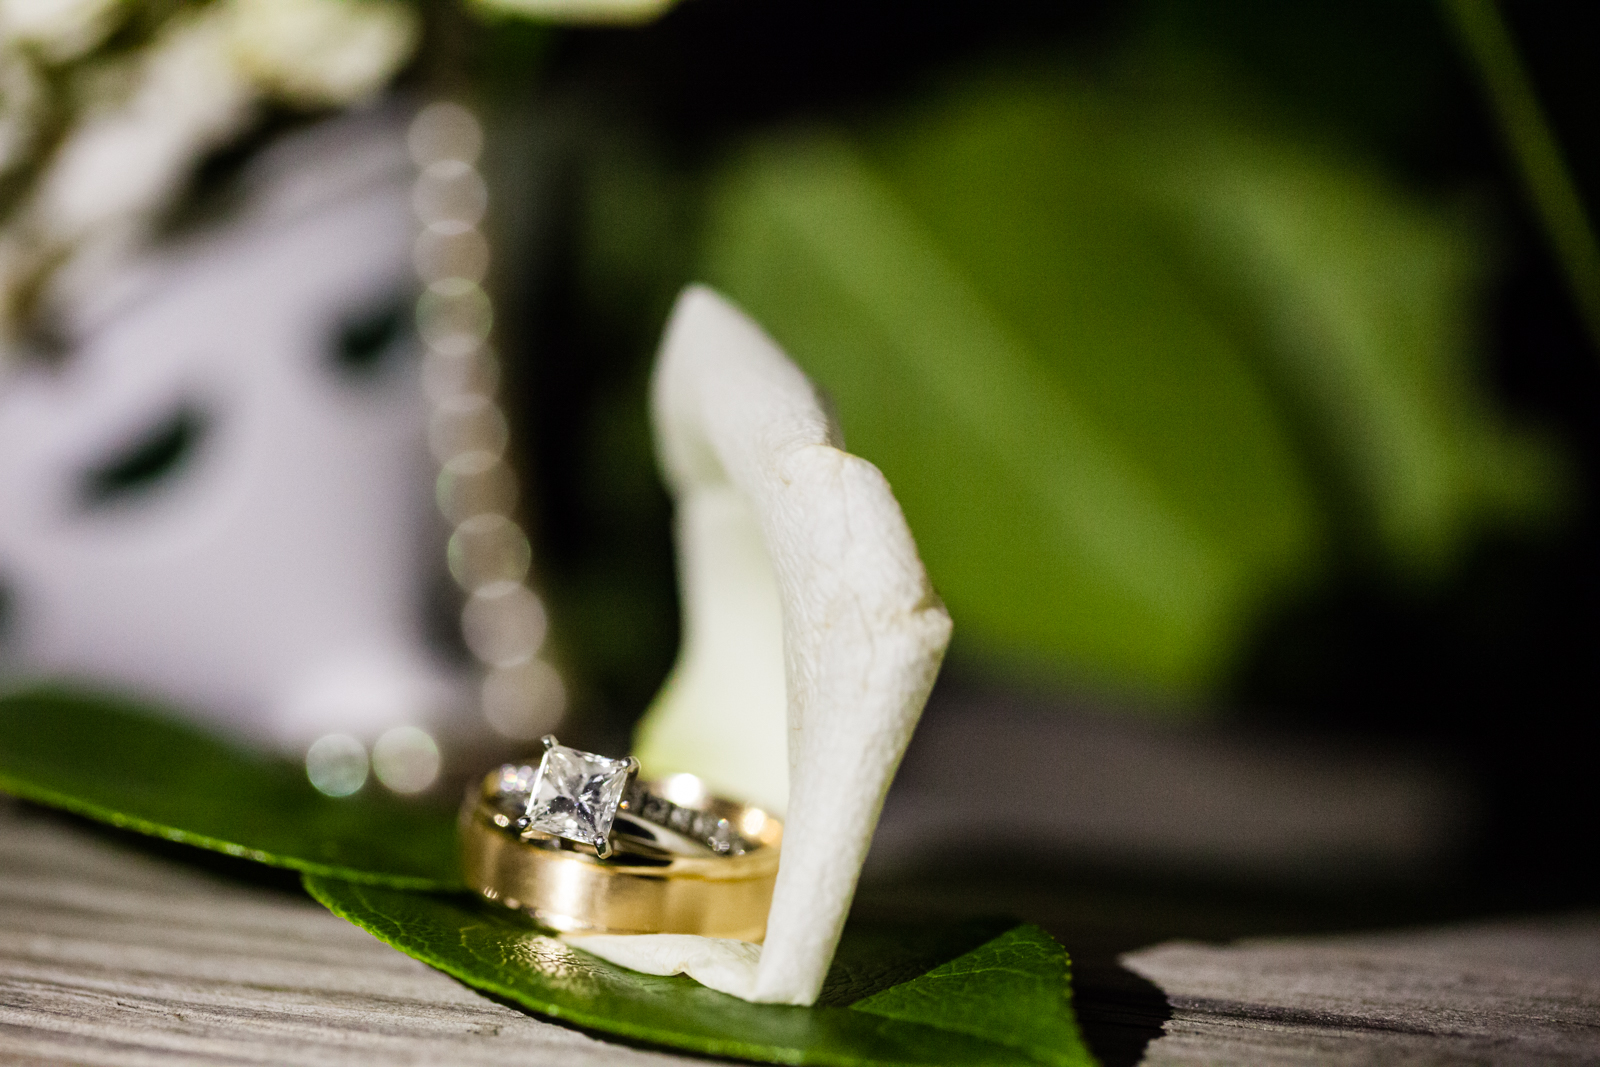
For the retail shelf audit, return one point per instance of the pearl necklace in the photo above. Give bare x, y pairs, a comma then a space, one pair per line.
503, 622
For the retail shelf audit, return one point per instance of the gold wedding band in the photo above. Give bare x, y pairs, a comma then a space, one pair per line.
642, 891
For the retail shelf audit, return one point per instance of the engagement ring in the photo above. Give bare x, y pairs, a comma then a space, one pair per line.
587, 799
581, 844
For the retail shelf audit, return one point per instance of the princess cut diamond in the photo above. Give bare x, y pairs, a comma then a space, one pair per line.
575, 795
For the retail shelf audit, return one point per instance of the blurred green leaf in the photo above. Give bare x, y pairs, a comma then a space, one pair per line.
1085, 459
133, 768
986, 999
1128, 360
1364, 304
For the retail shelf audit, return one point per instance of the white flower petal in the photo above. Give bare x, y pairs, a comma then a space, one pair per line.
129, 157
150, 115
58, 30
724, 965
317, 53
745, 443
723, 709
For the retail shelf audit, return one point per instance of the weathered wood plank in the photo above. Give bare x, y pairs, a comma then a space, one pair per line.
110, 956
1510, 993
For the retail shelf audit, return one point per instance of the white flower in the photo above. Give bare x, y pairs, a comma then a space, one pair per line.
129, 155
323, 52
150, 116
784, 538
57, 30
147, 118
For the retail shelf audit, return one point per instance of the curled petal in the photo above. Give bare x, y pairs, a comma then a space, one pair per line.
786, 540
723, 965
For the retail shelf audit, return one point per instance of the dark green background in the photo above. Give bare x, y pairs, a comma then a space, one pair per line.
1049, 152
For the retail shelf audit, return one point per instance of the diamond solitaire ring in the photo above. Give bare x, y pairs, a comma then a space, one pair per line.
592, 800
580, 844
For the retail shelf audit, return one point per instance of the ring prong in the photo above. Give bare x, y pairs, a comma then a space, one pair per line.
549, 741
602, 847
633, 767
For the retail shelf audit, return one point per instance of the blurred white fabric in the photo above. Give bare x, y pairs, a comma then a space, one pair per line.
269, 580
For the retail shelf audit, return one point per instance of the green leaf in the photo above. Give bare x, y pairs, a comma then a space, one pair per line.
1037, 393
1364, 300
1132, 361
134, 768
1022, 969
979, 998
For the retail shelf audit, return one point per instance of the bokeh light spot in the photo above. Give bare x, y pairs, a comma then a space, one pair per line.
485, 549
504, 624
524, 701
406, 759
336, 764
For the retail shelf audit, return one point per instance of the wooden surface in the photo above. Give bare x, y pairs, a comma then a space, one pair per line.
111, 954
1488, 993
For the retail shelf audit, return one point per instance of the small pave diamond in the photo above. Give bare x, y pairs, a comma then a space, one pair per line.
721, 837
515, 781
575, 795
